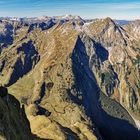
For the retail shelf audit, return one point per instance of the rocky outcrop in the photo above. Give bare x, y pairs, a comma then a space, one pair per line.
13, 122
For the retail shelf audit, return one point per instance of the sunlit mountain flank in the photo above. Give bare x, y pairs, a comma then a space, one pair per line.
69, 70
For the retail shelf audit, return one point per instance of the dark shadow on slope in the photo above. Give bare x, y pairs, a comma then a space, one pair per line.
43, 111
101, 52
41, 25
13, 119
42, 93
73, 97
16, 117
70, 134
111, 128
28, 58
2, 65
6, 38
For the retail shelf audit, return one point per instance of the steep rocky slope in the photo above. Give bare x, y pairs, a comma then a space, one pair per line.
76, 80
119, 75
13, 122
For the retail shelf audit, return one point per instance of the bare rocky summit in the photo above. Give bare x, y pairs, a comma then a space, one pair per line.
78, 79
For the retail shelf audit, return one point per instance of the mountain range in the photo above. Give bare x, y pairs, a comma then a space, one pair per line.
73, 79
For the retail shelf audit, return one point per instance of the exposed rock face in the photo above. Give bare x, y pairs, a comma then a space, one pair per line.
118, 73
13, 122
76, 80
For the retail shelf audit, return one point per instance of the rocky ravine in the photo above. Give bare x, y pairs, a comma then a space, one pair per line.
77, 80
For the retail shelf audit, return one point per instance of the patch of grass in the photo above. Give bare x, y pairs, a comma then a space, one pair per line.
137, 60
114, 109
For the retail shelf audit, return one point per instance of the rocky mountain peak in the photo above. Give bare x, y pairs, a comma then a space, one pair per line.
107, 21
102, 26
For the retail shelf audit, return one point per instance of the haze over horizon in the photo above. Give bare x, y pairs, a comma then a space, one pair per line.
115, 9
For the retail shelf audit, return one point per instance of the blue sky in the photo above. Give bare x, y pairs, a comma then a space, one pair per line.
115, 9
